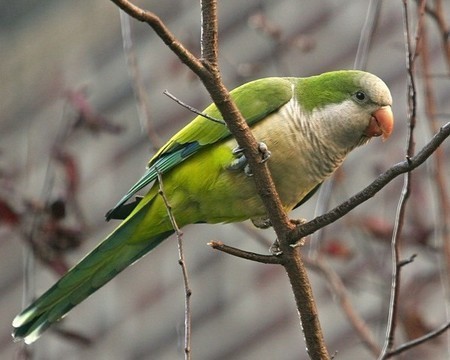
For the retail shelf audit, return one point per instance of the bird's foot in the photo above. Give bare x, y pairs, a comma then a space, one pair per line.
275, 248
300, 242
298, 222
265, 152
262, 222
241, 161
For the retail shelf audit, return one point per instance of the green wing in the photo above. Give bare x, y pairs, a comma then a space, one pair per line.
255, 100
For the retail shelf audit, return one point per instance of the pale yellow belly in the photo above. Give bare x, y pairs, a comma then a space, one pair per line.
219, 194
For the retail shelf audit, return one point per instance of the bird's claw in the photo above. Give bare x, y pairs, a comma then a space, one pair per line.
241, 161
262, 222
298, 222
275, 248
237, 151
265, 152
300, 242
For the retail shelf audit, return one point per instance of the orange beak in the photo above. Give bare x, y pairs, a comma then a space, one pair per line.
381, 123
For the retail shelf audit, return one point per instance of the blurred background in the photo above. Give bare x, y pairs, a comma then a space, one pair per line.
74, 138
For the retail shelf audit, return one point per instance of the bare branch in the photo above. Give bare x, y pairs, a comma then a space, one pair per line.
419, 341
209, 35
401, 209
265, 259
367, 32
194, 110
438, 14
136, 81
440, 171
182, 263
304, 298
407, 261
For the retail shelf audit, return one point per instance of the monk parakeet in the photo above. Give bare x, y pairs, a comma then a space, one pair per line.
308, 126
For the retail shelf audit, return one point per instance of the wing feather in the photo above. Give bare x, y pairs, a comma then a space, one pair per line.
255, 100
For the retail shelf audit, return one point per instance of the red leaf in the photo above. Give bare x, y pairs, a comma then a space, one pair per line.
7, 214
336, 248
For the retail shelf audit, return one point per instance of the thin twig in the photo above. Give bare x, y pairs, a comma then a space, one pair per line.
29, 291
368, 30
182, 263
416, 342
265, 259
401, 209
140, 93
193, 109
439, 181
407, 261
438, 14
30, 234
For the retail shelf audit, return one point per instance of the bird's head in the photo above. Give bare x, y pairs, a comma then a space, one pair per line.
352, 106
373, 97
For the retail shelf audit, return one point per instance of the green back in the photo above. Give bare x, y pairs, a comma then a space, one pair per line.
255, 100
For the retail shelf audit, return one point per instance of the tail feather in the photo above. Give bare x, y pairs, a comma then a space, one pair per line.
110, 257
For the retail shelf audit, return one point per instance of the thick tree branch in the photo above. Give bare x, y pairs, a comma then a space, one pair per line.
304, 298
208, 72
209, 35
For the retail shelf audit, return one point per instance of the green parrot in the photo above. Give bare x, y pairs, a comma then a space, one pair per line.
306, 127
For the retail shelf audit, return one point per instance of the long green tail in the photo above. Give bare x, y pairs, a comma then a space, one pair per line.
110, 257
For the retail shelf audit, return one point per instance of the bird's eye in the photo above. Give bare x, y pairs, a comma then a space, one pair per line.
360, 96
